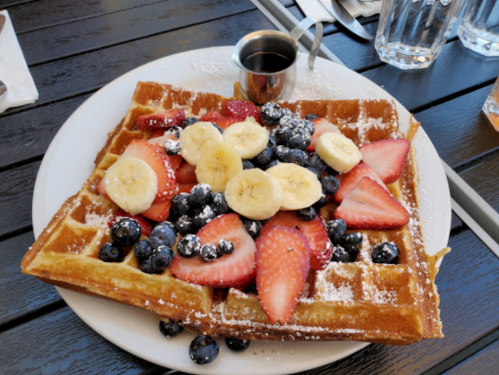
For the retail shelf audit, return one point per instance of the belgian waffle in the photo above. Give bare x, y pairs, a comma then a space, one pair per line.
393, 304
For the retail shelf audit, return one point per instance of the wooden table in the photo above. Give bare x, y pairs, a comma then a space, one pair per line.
73, 48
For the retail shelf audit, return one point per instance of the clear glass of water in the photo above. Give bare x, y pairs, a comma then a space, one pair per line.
491, 106
479, 28
412, 33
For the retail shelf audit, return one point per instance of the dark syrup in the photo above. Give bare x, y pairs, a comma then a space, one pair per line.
266, 62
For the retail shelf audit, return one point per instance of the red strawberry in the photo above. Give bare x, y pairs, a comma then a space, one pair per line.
166, 119
158, 211
282, 263
369, 206
321, 126
186, 174
349, 181
145, 224
314, 231
387, 157
155, 157
102, 190
160, 141
233, 270
185, 188
225, 122
157, 133
242, 109
210, 116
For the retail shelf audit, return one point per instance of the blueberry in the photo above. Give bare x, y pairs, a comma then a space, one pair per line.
143, 250
330, 185
203, 350
340, 254
161, 259
311, 116
189, 121
163, 234
306, 214
125, 232
289, 122
336, 229
247, 165
272, 143
351, 239
172, 148
220, 204
297, 157
217, 127
316, 172
189, 246
287, 112
281, 152
321, 202
273, 163
170, 328
237, 345
146, 266
110, 253
200, 195
299, 140
330, 171
264, 157
175, 130
181, 204
386, 252
271, 113
225, 247
253, 227
314, 161
282, 135
184, 225
202, 218
208, 252
308, 126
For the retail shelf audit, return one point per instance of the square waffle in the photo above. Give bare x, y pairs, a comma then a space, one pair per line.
392, 304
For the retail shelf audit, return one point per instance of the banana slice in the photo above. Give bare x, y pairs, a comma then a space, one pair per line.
195, 137
254, 194
300, 187
219, 162
338, 151
132, 184
248, 138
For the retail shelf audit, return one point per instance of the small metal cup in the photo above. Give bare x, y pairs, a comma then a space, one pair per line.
278, 51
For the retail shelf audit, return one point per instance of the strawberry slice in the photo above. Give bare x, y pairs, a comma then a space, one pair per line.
186, 174
242, 109
162, 120
145, 224
157, 133
314, 231
321, 126
160, 141
102, 190
210, 116
369, 206
349, 181
158, 211
225, 122
387, 157
155, 157
282, 263
186, 188
232, 270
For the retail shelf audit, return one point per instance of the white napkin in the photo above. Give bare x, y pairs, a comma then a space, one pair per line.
13, 70
314, 9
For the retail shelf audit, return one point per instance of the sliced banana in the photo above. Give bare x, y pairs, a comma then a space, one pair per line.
219, 162
248, 138
194, 138
338, 151
300, 187
132, 184
254, 194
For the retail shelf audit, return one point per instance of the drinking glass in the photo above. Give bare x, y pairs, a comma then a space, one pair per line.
491, 106
479, 28
412, 33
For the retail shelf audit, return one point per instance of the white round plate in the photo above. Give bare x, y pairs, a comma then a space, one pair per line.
69, 161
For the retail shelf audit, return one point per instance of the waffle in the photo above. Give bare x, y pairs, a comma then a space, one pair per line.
391, 304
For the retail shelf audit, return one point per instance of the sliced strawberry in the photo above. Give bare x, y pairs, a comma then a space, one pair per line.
233, 270
145, 224
242, 109
210, 116
225, 122
158, 211
157, 133
102, 190
314, 231
369, 206
162, 120
186, 174
387, 157
321, 126
185, 188
282, 263
155, 157
349, 181
160, 141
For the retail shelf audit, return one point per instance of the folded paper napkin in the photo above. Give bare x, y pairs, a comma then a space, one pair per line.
314, 9
13, 70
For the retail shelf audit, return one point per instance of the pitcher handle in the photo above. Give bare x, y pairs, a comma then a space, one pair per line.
300, 29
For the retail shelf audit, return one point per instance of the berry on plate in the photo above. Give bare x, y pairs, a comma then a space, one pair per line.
282, 262
145, 224
186, 173
166, 119
349, 181
321, 126
203, 350
158, 211
224, 122
125, 232
160, 141
210, 116
242, 109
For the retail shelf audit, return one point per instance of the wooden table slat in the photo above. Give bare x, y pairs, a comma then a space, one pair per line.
486, 361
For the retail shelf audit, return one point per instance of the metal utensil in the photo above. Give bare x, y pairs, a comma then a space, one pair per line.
339, 12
